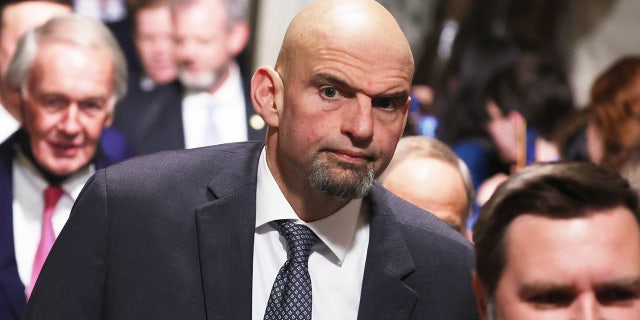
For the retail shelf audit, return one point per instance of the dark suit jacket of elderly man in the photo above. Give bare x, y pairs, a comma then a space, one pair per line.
170, 236
12, 290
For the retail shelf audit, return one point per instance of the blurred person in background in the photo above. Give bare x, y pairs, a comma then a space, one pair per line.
608, 131
68, 74
210, 34
461, 102
149, 116
528, 102
153, 36
518, 113
116, 16
209, 104
559, 241
16, 17
427, 173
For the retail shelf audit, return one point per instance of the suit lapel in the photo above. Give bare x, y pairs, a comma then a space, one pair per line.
11, 287
225, 235
226, 228
384, 294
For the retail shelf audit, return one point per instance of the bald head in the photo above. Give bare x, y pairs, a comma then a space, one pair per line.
336, 103
357, 26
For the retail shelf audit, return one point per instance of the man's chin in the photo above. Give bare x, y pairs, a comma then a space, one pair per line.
62, 172
343, 180
196, 82
65, 167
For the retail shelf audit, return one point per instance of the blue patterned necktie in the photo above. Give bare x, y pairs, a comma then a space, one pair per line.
290, 296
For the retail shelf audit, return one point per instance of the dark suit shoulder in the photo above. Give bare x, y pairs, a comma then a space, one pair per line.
425, 253
191, 167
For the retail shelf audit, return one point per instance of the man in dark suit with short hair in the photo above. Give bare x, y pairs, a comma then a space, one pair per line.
230, 231
210, 102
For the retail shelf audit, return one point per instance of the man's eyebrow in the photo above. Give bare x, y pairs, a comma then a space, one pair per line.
632, 282
325, 78
401, 95
328, 79
539, 287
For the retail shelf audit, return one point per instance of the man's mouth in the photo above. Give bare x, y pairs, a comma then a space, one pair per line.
354, 157
65, 149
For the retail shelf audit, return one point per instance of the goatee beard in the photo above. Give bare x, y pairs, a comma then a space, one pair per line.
198, 82
340, 180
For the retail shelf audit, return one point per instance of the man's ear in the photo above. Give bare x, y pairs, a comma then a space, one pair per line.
109, 121
481, 297
110, 114
267, 92
18, 112
406, 113
238, 37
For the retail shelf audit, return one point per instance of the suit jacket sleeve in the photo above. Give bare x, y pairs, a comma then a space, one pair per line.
61, 293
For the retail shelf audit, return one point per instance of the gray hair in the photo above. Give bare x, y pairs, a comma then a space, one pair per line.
71, 29
236, 9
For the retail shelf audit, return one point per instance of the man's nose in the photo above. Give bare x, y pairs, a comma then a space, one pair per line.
184, 49
587, 307
70, 122
358, 123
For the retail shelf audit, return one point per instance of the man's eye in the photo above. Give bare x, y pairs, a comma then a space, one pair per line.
92, 105
616, 295
53, 103
385, 103
329, 92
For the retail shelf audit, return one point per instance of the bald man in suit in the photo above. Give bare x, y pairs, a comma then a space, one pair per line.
195, 234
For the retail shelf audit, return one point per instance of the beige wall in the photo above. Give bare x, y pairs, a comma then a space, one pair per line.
271, 23
603, 31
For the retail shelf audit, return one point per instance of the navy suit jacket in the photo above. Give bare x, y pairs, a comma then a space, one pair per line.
12, 297
152, 120
170, 236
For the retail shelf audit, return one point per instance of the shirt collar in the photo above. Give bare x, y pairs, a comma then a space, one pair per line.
336, 231
72, 185
230, 89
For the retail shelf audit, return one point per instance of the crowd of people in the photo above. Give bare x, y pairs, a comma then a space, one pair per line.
146, 172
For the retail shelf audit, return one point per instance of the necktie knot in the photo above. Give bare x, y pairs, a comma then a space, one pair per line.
52, 195
299, 238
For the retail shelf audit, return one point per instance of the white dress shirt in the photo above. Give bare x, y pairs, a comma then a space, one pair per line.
216, 118
336, 264
28, 208
103, 10
8, 124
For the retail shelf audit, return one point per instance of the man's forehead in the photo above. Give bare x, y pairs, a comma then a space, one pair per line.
48, 62
363, 30
535, 232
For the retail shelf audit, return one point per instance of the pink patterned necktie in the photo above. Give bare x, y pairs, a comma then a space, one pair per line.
47, 236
